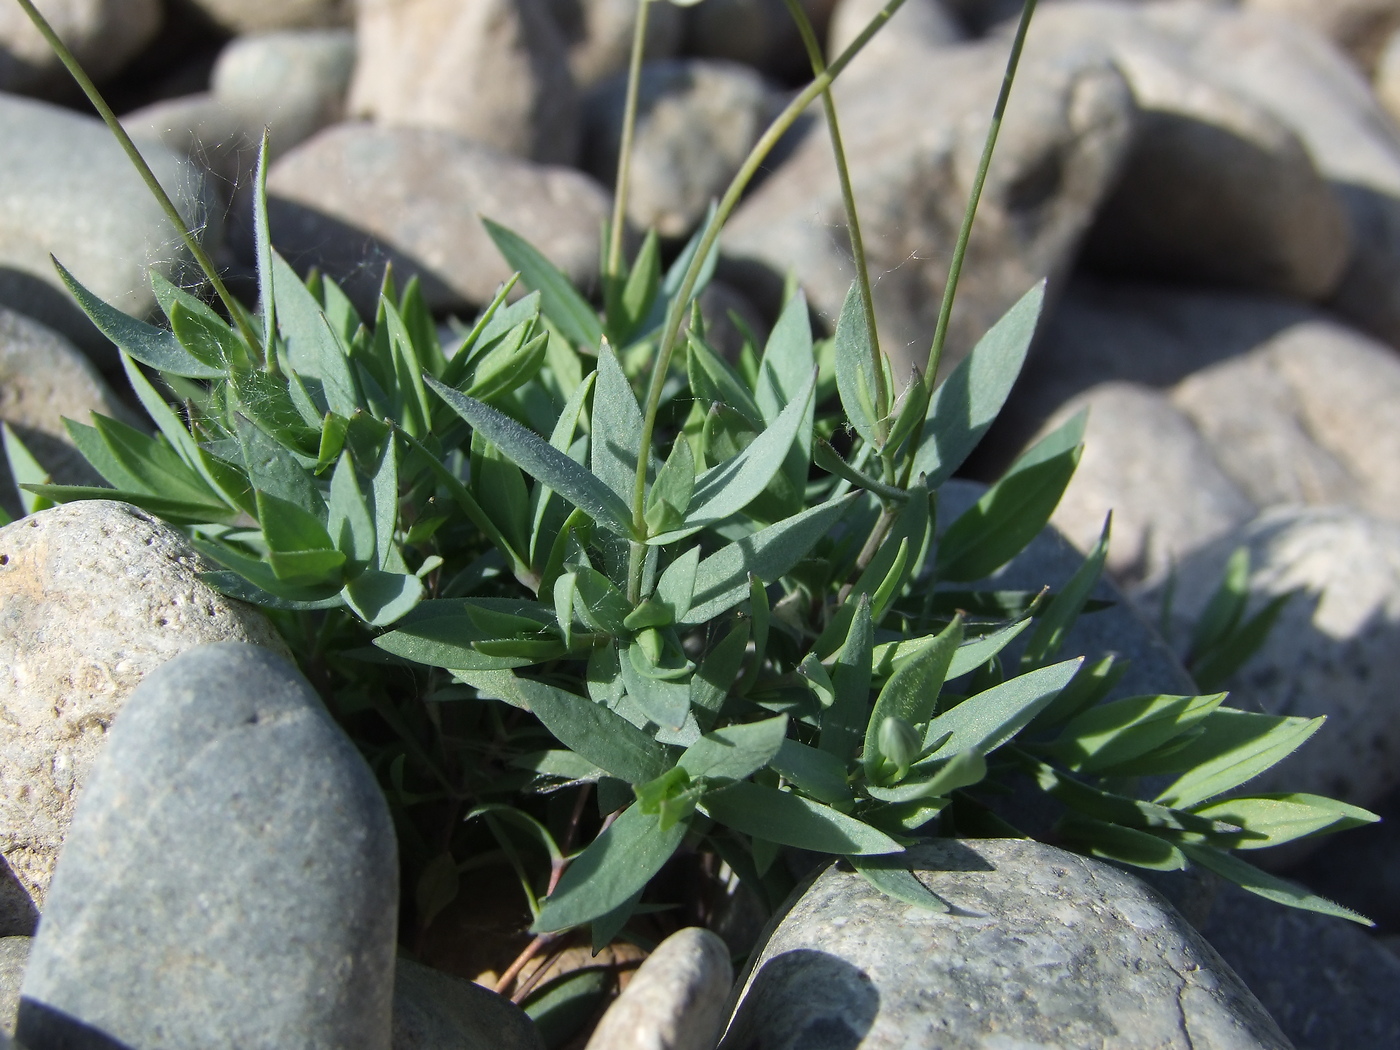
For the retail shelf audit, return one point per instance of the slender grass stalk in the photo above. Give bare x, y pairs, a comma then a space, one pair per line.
848, 199
629, 129
153, 184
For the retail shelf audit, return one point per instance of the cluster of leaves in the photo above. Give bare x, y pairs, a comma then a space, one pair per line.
765, 637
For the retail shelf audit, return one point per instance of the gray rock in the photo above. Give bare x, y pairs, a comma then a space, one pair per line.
1066, 131
357, 196
1360, 27
1328, 984
495, 71
719, 304
599, 35
43, 380
675, 1001
436, 1011
758, 33
1361, 870
104, 35
918, 24
260, 16
696, 122
1042, 948
14, 954
93, 597
1334, 651
232, 826
1387, 79
72, 192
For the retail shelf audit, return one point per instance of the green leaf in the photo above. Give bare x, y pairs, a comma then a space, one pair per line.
972, 655
736, 751
855, 373
274, 470
713, 380
154, 465
1269, 820
665, 702
850, 681
676, 588
175, 511
380, 598
24, 470
616, 439
1110, 735
601, 605
508, 367
1222, 613
564, 306
348, 521
966, 403
791, 820
1085, 689
830, 461
817, 773
1065, 607
1117, 809
1141, 849
312, 348
642, 283
717, 674
306, 568
1270, 887
542, 461
961, 770
986, 721
262, 249
670, 495
1244, 745
891, 876
500, 488
911, 693
205, 334
1216, 665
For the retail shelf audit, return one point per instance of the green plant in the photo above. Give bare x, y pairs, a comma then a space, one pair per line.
763, 637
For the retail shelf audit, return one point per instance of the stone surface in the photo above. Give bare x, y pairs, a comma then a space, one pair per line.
69, 190
758, 33
1359, 26
356, 196
1387, 79
231, 877
495, 71
14, 954
675, 1001
103, 34
1361, 869
599, 35
1334, 651
1328, 984
696, 122
259, 16
436, 1011
919, 24
43, 380
1068, 127
93, 597
1042, 948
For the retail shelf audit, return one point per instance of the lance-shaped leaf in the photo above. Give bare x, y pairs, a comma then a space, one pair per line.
1244, 744
381, 598
665, 702
1141, 849
911, 693
1270, 820
1112, 734
534, 455
736, 751
710, 685
713, 379
568, 310
791, 820
814, 772
616, 438
1065, 607
1270, 887
850, 683
891, 876
855, 369
312, 348
986, 721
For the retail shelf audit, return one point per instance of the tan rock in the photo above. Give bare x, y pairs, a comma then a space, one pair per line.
599, 34
675, 1001
1360, 27
103, 34
257, 16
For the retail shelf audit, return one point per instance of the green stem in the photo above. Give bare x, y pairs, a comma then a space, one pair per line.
629, 128
99, 103
676, 311
848, 198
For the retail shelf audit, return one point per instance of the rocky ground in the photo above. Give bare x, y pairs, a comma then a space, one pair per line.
1213, 189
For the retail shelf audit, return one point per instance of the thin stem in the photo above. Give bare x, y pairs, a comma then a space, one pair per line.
676, 311
848, 198
172, 213
629, 128
532, 949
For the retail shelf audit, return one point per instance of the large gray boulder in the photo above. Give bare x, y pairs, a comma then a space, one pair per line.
103, 34
14, 954
599, 34
261, 16
1360, 27
436, 1011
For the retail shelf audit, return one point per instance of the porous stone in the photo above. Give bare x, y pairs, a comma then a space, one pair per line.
436, 1011
45, 379
356, 196
599, 34
71, 191
1360, 27
495, 71
696, 122
103, 34
1041, 948
675, 1001
14, 954
231, 877
259, 16
93, 597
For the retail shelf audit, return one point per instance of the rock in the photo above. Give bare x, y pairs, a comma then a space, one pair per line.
436, 1011
1043, 948
93, 597
356, 196
229, 824
1361, 869
1387, 80
43, 380
104, 35
697, 121
719, 304
72, 192
599, 35
495, 71
1333, 651
758, 33
675, 1001
1066, 131
918, 24
14, 954
1359, 27
1328, 984
260, 16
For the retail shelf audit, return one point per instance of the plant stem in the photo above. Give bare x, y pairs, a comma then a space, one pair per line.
848, 199
676, 311
153, 184
629, 128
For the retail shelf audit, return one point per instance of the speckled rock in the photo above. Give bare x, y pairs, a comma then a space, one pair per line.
494, 71
259, 16
93, 597
1042, 948
436, 1011
231, 876
14, 954
104, 35
675, 1001
599, 34
356, 196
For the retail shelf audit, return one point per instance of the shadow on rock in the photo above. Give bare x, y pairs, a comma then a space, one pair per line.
804, 999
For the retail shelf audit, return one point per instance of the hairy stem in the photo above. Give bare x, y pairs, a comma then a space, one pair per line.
629, 128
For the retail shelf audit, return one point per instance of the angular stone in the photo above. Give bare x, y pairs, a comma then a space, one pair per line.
232, 827
599, 35
356, 196
14, 955
436, 1011
93, 597
675, 1001
260, 16
104, 35
494, 71
1041, 948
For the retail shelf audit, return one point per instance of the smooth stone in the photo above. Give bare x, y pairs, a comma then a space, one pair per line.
357, 196
1043, 948
757, 33
45, 379
94, 596
260, 16
436, 1011
231, 826
493, 71
675, 1001
696, 122
72, 192
920, 24
104, 36
599, 35
1387, 79
1359, 27
14, 955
